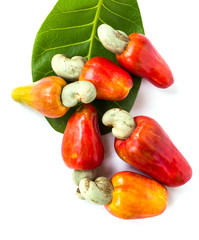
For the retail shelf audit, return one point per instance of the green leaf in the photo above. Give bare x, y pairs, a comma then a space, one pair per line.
71, 29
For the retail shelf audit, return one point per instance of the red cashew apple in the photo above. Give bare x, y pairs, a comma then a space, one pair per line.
136, 196
137, 55
142, 59
111, 82
82, 146
149, 149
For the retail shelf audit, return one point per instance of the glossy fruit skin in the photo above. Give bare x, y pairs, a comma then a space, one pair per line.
150, 150
136, 196
142, 59
111, 81
43, 96
82, 146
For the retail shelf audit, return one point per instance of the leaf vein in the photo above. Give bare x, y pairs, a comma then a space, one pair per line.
100, 3
117, 104
66, 28
48, 73
74, 11
64, 46
97, 39
127, 19
124, 4
101, 20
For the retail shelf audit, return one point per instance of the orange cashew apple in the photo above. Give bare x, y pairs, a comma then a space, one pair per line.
136, 196
43, 96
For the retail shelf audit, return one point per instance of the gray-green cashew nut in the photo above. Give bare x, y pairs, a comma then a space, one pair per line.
122, 122
98, 191
113, 40
80, 91
69, 69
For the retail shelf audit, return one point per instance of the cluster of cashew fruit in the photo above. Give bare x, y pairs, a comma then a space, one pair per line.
140, 141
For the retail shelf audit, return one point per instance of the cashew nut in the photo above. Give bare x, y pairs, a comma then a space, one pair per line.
122, 122
115, 41
80, 174
98, 191
69, 69
80, 91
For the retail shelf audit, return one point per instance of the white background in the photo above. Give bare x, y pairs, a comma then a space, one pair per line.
37, 196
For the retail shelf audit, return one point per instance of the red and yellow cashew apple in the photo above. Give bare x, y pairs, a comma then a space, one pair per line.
136, 196
82, 146
148, 148
137, 55
43, 96
111, 81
